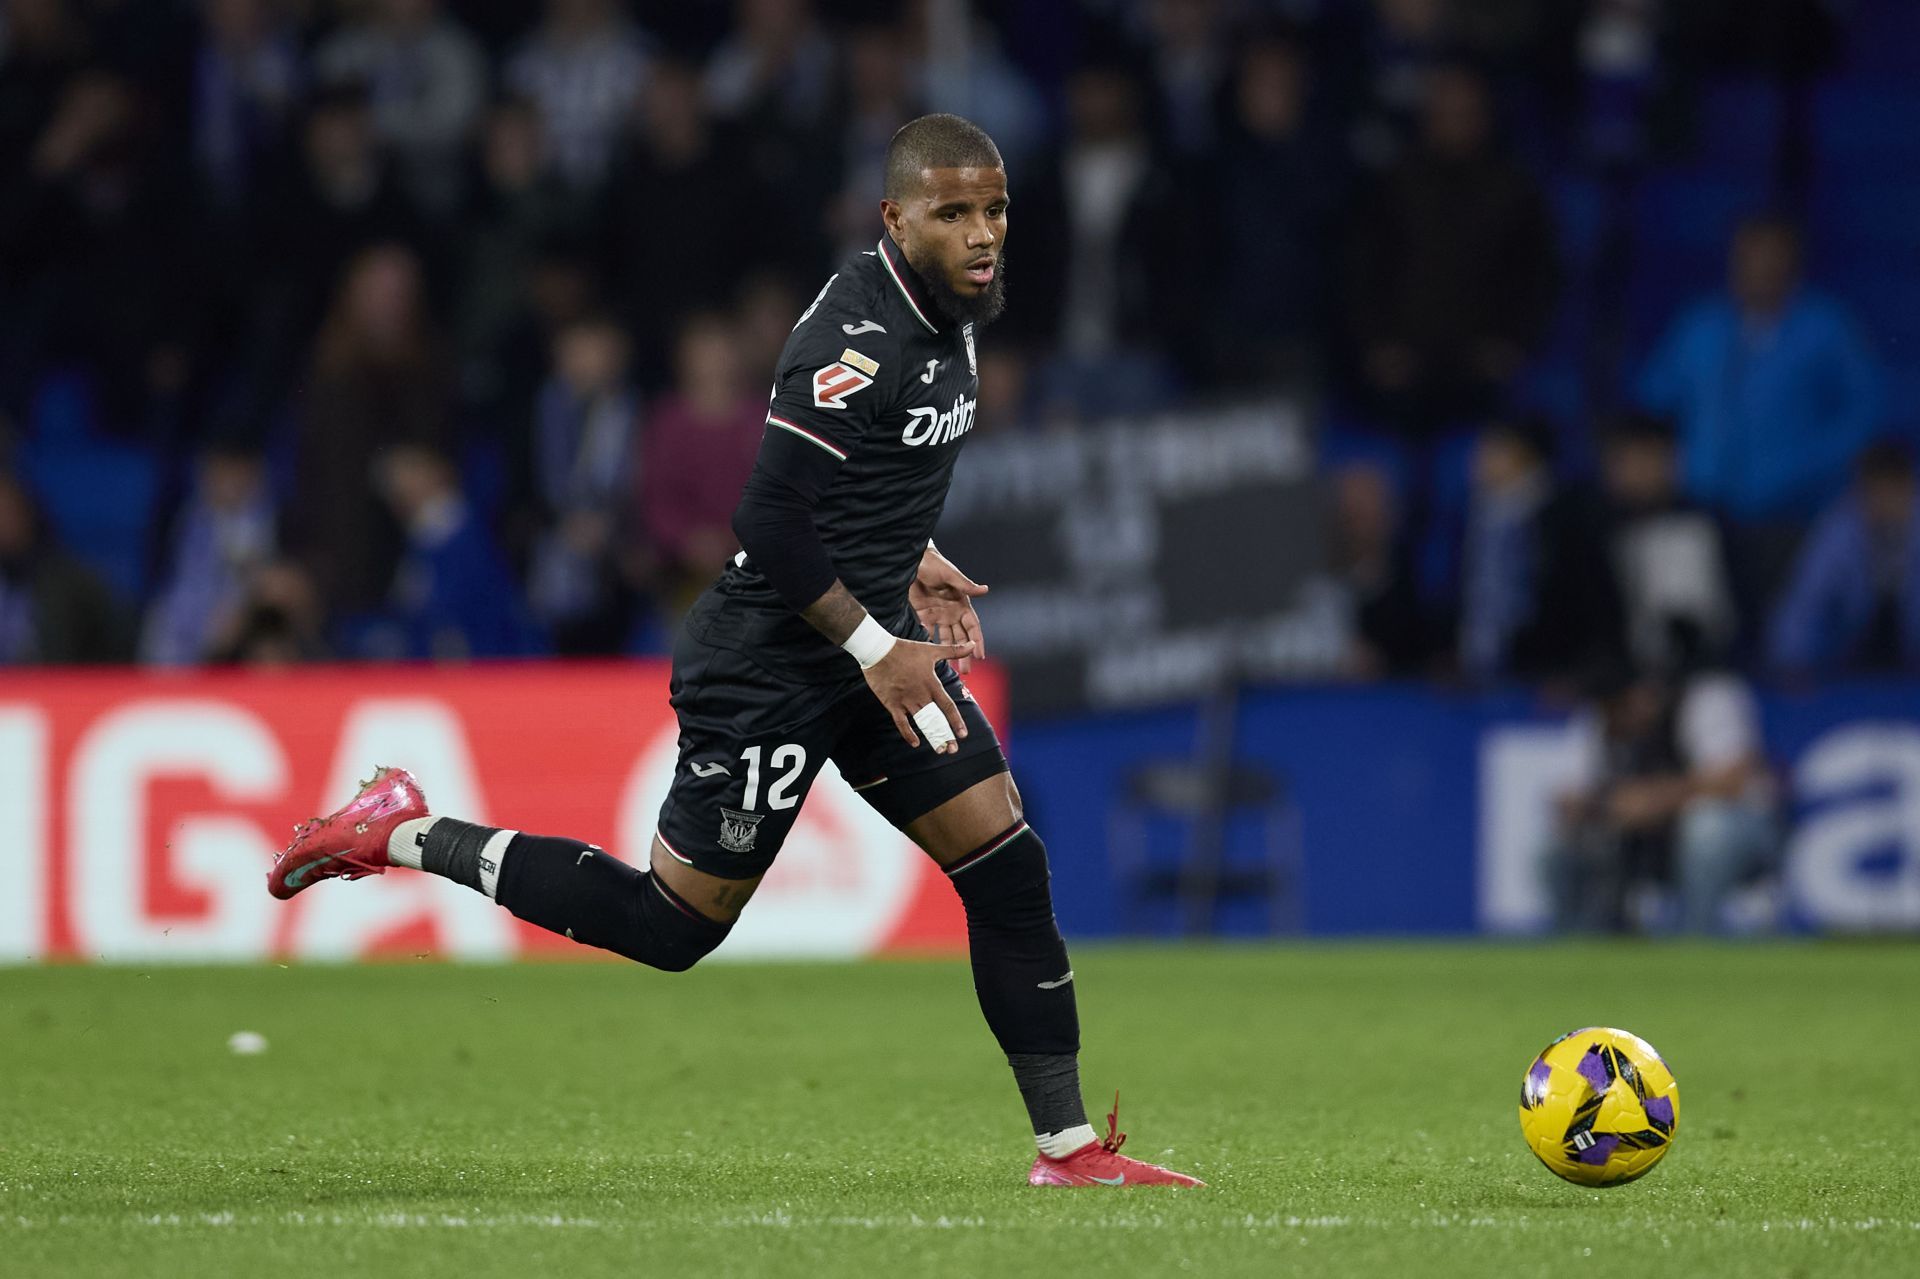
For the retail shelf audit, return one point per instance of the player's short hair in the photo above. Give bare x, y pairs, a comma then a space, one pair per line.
936, 142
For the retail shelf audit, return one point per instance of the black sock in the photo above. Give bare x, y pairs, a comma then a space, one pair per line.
1021, 972
1050, 1085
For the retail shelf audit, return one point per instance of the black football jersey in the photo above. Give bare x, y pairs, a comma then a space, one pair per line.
881, 382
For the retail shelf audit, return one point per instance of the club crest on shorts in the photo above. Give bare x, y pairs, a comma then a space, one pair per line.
738, 831
973, 366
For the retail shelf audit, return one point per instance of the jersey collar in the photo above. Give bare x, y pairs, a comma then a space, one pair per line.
895, 264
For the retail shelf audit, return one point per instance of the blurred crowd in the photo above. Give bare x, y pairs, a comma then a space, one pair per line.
442, 328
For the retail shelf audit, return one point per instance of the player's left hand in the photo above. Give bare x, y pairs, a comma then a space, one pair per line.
942, 597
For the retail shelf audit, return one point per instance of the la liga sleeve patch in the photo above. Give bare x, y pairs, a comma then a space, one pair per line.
834, 383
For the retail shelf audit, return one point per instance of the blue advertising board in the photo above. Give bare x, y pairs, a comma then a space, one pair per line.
1424, 811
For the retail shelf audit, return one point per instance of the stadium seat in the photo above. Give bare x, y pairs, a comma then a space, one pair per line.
1203, 800
98, 494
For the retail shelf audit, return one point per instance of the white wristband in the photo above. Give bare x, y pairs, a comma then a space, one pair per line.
869, 643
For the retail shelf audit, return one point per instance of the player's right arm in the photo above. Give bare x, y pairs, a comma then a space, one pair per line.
824, 400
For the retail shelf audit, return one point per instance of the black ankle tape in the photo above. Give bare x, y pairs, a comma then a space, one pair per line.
452, 848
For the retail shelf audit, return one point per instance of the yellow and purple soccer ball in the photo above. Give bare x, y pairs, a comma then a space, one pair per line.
1599, 1107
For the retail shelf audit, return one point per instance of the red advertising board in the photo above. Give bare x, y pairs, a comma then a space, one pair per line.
139, 812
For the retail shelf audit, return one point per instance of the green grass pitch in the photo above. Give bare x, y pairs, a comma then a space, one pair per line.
1353, 1108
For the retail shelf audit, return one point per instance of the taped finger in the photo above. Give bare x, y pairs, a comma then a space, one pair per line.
932, 722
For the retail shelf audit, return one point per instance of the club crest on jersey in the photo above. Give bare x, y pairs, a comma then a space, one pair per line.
739, 831
973, 365
833, 384
931, 426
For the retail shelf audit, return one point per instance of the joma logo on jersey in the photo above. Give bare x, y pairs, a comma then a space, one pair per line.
931, 426
833, 384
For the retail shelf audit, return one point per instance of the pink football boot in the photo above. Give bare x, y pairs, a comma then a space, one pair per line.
1100, 1163
352, 842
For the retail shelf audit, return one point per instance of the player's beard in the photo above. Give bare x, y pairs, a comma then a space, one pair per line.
979, 309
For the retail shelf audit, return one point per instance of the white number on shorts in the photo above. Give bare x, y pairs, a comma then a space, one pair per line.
792, 757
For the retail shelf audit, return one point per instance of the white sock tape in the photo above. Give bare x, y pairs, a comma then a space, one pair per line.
491, 856
932, 722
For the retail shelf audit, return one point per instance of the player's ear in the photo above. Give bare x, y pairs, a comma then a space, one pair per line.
893, 215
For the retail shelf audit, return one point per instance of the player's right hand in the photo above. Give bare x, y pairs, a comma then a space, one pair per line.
906, 679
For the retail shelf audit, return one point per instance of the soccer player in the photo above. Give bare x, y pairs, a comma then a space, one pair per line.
835, 633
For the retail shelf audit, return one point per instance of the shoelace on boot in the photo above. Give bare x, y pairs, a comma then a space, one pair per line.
1114, 1138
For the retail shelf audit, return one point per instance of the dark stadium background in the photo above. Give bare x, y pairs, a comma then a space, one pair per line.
1373, 405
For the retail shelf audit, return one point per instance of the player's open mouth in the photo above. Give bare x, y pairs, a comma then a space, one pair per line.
981, 272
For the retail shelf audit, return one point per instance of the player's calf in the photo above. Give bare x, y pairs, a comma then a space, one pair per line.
1024, 979
566, 887
563, 885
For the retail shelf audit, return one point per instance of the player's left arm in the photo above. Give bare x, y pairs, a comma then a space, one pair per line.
942, 597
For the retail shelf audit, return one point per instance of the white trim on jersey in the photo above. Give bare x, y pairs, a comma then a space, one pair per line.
902, 286
805, 434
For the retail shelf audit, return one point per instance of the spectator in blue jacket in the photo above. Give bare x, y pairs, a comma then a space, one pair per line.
453, 597
1853, 603
1772, 385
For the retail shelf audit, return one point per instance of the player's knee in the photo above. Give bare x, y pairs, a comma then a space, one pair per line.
668, 933
1006, 883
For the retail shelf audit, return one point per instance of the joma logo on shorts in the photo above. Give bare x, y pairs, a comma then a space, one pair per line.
931, 426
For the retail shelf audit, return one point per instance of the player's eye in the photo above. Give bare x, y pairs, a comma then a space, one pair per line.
951, 215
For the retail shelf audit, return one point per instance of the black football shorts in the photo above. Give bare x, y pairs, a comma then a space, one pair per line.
751, 744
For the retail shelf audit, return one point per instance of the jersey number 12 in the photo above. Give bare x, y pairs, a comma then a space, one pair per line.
792, 757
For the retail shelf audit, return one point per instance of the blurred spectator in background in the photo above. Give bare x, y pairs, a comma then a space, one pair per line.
1667, 553
1190, 54
776, 82
1371, 559
1452, 274
1537, 595
958, 64
278, 620
582, 67
452, 596
878, 98
764, 318
520, 208
378, 379
1772, 386
1401, 43
1104, 258
97, 257
1853, 601
680, 214
1671, 789
1620, 63
426, 78
45, 43
247, 77
1277, 188
697, 450
583, 463
53, 609
335, 198
1007, 400
775, 66
224, 532
339, 198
